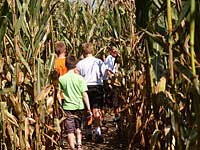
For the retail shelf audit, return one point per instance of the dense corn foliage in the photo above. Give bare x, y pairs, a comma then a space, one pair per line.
159, 61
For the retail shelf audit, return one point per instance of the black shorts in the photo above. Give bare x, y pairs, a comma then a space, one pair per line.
73, 121
95, 93
111, 95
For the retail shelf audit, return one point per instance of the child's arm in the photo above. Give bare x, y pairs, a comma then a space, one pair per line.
60, 96
86, 100
87, 103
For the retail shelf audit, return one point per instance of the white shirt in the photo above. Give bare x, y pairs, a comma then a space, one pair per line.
92, 69
110, 65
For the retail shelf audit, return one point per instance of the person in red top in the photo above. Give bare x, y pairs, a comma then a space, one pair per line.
61, 57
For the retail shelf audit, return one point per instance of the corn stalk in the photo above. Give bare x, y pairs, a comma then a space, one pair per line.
192, 35
16, 47
149, 109
169, 19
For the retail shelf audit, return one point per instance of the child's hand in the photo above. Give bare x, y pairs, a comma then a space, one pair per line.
89, 118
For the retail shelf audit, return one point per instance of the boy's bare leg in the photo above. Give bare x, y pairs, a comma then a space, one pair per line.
97, 124
71, 140
97, 117
79, 136
116, 102
116, 111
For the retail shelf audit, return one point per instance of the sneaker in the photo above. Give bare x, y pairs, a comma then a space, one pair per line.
88, 134
63, 143
99, 139
79, 147
104, 122
97, 131
116, 119
88, 137
104, 129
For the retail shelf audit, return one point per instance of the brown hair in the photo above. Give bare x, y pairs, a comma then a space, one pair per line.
87, 48
71, 61
60, 47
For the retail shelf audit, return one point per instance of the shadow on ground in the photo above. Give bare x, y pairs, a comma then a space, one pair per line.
112, 139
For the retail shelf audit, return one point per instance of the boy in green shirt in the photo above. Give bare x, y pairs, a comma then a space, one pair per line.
74, 89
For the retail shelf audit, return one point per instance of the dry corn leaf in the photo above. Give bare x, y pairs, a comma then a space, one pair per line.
3, 84
181, 106
27, 133
169, 95
9, 76
138, 123
51, 138
16, 104
50, 101
10, 118
154, 138
57, 125
27, 109
31, 120
1, 64
42, 95
49, 127
12, 135
161, 86
10, 132
31, 130
142, 141
21, 77
167, 130
117, 82
43, 147
62, 119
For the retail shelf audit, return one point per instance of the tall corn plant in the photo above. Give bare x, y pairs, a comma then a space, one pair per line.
107, 23
24, 31
76, 23
172, 101
159, 113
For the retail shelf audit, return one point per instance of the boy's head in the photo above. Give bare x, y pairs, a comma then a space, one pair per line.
60, 47
87, 49
113, 51
71, 61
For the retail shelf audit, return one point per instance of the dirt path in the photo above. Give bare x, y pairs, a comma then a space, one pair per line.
112, 140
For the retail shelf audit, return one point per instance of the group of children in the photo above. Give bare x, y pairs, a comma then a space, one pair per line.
81, 84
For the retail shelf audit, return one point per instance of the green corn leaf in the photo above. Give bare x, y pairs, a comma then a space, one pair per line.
3, 27
173, 121
154, 138
157, 38
25, 63
117, 20
193, 136
91, 32
3, 19
184, 12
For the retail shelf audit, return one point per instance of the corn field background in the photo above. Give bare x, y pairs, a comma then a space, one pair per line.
159, 61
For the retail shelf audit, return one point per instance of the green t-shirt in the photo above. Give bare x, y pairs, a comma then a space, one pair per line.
73, 85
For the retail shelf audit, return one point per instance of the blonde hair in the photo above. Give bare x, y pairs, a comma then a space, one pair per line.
60, 47
87, 48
